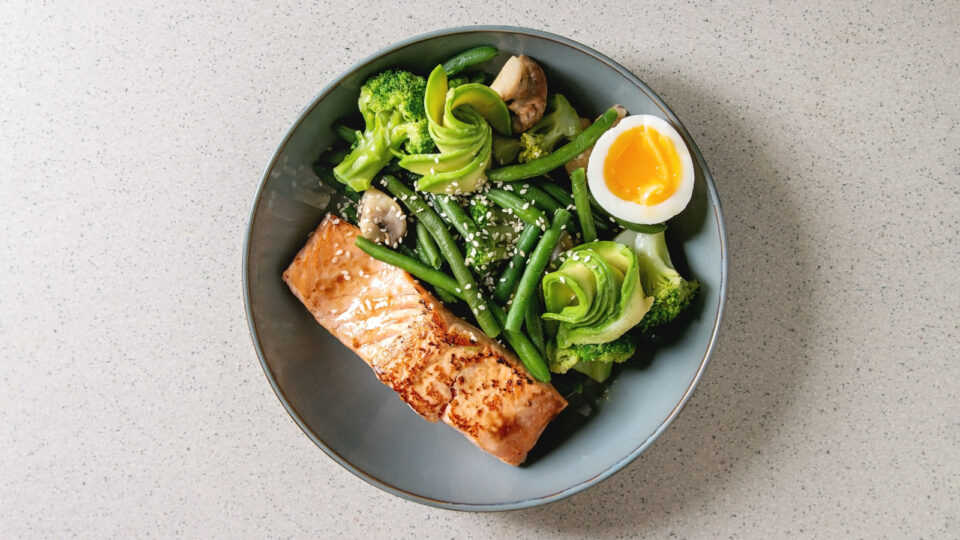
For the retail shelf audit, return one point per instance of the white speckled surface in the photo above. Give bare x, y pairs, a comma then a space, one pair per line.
132, 402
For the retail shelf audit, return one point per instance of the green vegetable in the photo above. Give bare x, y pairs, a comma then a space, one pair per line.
449, 250
562, 123
507, 200
595, 294
469, 58
326, 177
334, 157
457, 81
457, 120
539, 198
534, 324
534, 269
565, 153
582, 198
670, 291
566, 199
484, 100
479, 78
426, 247
391, 103
511, 274
561, 195
505, 150
416, 268
525, 349
350, 214
641, 227
594, 359
349, 135
481, 249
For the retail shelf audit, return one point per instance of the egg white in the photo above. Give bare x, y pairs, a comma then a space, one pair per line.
629, 210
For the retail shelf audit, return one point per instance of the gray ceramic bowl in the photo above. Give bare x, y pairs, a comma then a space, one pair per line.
337, 401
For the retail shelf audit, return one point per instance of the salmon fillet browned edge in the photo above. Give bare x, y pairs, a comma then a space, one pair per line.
441, 366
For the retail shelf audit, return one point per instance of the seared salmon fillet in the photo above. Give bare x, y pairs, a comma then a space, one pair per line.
441, 366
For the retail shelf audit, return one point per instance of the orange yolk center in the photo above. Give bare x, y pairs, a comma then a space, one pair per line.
642, 166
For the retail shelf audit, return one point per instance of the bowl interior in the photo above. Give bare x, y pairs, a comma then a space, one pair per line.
361, 423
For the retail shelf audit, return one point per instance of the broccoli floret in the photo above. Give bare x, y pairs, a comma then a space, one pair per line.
454, 82
562, 123
391, 103
505, 149
498, 229
670, 291
594, 360
531, 147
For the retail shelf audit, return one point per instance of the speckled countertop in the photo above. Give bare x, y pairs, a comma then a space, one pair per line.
132, 403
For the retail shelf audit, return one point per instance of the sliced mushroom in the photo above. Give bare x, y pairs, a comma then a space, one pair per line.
522, 84
381, 219
584, 157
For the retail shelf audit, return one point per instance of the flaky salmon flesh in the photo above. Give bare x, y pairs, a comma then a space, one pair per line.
441, 366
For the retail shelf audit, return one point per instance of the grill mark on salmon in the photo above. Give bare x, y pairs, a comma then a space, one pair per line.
443, 368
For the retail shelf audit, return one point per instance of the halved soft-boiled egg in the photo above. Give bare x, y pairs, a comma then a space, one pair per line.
641, 170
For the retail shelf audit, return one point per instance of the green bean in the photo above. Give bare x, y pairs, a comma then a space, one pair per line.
453, 213
479, 78
539, 198
350, 213
535, 266
427, 247
566, 199
409, 252
511, 275
449, 250
597, 209
534, 324
522, 209
469, 58
558, 193
558, 157
416, 268
347, 134
641, 227
335, 157
326, 176
525, 349
578, 179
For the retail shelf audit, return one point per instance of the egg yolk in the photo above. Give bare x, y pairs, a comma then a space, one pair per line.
642, 166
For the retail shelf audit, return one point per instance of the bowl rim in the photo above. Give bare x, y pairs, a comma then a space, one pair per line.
615, 466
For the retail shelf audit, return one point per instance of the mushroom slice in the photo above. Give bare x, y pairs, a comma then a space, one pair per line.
523, 85
381, 219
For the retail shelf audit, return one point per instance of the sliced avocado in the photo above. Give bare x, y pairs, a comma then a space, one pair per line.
450, 138
435, 95
484, 100
442, 162
468, 178
630, 307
